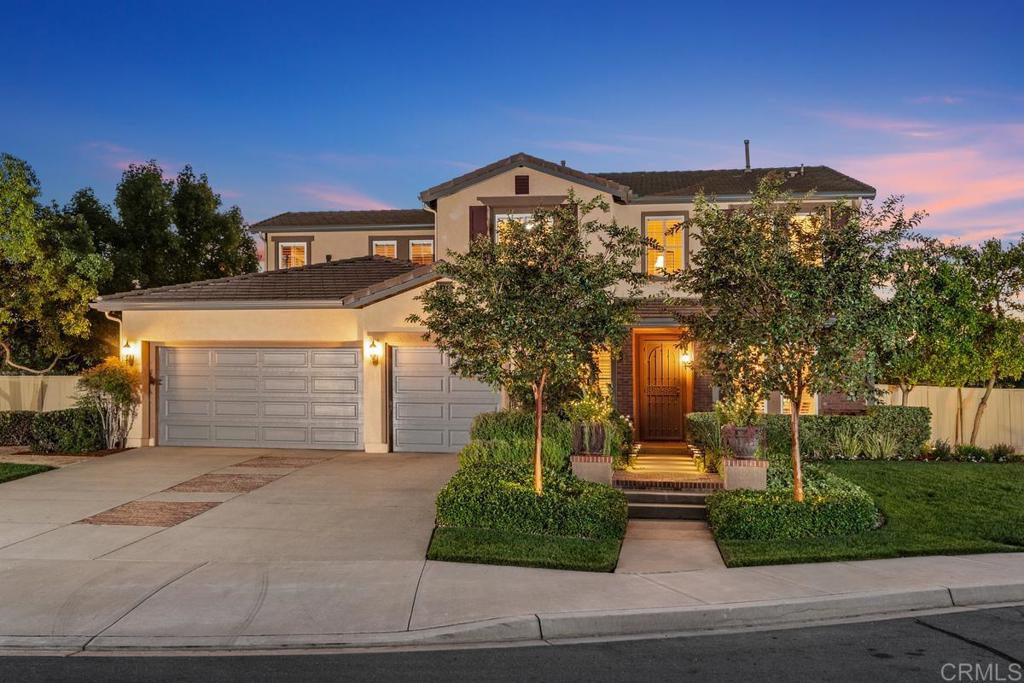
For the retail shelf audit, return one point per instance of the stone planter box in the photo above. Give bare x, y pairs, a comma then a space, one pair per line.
745, 473
592, 467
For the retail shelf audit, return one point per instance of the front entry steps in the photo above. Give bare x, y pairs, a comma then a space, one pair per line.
664, 483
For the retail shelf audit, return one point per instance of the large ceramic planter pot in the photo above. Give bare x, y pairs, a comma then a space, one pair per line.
588, 438
742, 441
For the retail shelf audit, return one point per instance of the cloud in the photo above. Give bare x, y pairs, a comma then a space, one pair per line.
936, 99
341, 197
897, 126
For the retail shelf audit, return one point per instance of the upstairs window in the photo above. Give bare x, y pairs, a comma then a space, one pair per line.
388, 248
421, 252
667, 231
502, 221
292, 254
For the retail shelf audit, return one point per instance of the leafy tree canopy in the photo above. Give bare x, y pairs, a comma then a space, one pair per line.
531, 307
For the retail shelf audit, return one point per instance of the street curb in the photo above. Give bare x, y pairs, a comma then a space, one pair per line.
739, 615
542, 627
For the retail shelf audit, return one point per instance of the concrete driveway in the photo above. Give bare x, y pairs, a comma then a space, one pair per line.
308, 506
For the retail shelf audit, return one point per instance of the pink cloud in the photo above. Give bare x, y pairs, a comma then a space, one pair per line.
897, 126
341, 197
936, 99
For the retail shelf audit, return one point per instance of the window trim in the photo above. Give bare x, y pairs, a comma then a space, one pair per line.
497, 215
374, 243
424, 240
684, 219
304, 242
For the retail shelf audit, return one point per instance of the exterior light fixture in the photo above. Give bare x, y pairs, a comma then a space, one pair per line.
374, 352
127, 354
685, 358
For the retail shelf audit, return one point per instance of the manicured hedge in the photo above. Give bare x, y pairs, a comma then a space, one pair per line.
510, 425
514, 452
501, 497
16, 427
832, 506
911, 426
75, 430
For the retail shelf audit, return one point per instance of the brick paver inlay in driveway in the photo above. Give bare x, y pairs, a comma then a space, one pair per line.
226, 483
292, 462
149, 513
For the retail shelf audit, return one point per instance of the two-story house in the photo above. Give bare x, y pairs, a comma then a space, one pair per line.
316, 352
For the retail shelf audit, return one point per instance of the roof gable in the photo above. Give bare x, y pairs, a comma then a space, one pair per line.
523, 160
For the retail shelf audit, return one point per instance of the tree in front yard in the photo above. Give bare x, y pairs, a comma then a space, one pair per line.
788, 302
530, 308
49, 271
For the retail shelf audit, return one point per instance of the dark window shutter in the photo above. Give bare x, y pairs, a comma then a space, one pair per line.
522, 184
478, 222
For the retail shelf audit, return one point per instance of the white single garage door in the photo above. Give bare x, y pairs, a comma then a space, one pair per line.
266, 397
432, 410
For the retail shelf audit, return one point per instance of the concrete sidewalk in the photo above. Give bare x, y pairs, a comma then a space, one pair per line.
69, 605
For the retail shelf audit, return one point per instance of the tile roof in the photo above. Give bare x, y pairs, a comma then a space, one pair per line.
528, 161
319, 282
304, 219
737, 181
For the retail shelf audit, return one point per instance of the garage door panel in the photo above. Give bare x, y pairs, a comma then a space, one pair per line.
261, 397
432, 409
284, 409
341, 358
335, 410
284, 359
226, 358
338, 385
245, 408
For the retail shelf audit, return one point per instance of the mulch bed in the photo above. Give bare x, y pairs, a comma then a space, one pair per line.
149, 513
226, 483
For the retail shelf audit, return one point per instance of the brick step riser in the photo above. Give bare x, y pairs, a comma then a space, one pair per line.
666, 497
667, 512
687, 486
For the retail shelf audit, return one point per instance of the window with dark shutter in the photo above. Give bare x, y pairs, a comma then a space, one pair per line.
478, 222
522, 184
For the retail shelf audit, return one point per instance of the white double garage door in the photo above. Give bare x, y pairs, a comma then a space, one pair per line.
310, 398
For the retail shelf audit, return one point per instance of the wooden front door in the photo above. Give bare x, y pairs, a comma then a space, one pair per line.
662, 390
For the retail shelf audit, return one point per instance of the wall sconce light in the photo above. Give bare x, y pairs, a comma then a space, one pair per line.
374, 352
685, 357
128, 354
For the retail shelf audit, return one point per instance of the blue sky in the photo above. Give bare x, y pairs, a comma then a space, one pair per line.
317, 106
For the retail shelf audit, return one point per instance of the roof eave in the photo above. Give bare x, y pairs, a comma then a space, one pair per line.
689, 198
339, 228
219, 304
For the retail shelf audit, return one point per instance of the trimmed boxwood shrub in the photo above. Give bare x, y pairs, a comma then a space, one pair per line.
832, 506
75, 430
911, 427
514, 452
501, 497
16, 427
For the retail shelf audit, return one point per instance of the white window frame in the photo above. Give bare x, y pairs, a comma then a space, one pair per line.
428, 240
393, 243
305, 252
679, 220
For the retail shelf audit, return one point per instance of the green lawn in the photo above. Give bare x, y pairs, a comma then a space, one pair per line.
930, 509
487, 546
12, 470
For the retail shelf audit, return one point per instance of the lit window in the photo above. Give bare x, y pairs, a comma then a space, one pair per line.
388, 248
421, 252
291, 254
668, 233
603, 360
808, 406
503, 221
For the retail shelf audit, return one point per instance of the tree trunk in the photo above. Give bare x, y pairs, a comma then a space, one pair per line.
794, 450
981, 408
905, 390
538, 435
958, 428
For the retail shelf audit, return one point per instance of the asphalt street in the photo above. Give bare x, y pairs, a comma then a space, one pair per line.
984, 645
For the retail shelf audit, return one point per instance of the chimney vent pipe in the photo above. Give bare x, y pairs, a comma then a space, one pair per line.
746, 151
